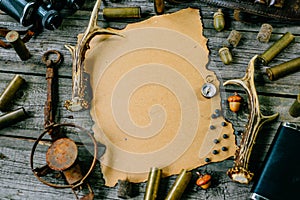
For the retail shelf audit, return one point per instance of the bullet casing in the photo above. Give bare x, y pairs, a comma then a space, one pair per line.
225, 55
219, 21
14, 39
122, 12
179, 186
9, 93
276, 48
295, 108
152, 184
283, 69
12, 117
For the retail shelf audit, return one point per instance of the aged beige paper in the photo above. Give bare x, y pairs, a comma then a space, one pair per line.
147, 105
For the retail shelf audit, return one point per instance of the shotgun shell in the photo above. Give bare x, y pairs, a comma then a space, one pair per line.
14, 39
225, 55
179, 186
283, 69
8, 94
264, 33
234, 38
12, 117
122, 13
125, 189
295, 108
153, 184
276, 48
159, 6
219, 21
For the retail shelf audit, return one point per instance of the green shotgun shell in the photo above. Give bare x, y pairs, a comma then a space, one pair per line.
14, 39
179, 185
12, 117
219, 21
153, 183
9, 93
225, 55
295, 108
283, 69
276, 48
122, 12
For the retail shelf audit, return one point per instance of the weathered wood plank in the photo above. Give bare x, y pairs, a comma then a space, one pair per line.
17, 179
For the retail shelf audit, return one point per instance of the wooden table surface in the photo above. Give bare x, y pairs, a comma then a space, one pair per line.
16, 178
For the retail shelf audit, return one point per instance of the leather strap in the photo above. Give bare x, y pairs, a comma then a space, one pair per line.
289, 11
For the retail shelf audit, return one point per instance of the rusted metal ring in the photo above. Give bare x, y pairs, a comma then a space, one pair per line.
46, 55
84, 177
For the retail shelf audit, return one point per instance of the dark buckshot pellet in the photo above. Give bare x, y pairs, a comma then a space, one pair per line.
215, 152
225, 136
207, 160
214, 116
212, 127
216, 141
224, 148
223, 124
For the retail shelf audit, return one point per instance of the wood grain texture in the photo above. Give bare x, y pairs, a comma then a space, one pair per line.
16, 177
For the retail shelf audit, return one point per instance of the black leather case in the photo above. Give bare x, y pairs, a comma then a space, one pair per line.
280, 175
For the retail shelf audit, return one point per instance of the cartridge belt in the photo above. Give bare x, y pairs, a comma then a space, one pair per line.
290, 9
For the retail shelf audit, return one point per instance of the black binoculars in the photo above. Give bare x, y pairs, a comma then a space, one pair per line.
44, 12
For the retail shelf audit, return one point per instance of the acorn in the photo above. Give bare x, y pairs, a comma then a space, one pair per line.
235, 102
204, 180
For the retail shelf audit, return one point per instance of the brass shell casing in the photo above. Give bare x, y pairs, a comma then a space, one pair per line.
295, 108
9, 93
225, 55
122, 12
12, 117
153, 184
283, 69
219, 21
276, 48
179, 185
14, 39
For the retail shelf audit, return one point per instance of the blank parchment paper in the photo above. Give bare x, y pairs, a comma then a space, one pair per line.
147, 104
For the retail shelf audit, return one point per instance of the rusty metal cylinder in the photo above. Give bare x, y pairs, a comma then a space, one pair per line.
276, 48
12, 117
122, 12
295, 108
179, 186
264, 33
9, 93
283, 69
14, 39
152, 184
234, 38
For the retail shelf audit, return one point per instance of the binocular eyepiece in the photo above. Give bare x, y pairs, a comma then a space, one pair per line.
44, 12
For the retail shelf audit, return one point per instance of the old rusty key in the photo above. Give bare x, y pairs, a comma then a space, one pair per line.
50, 75
62, 154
